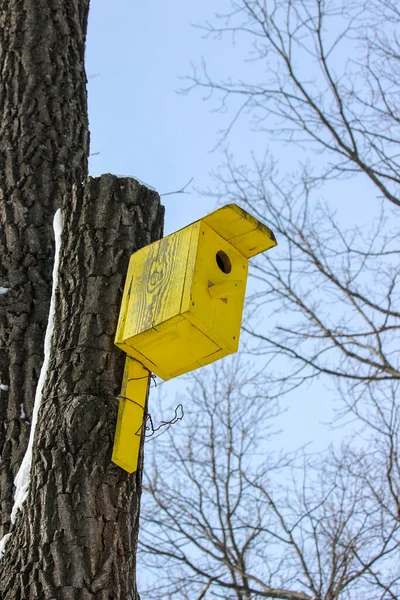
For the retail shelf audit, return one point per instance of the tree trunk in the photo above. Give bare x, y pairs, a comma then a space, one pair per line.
76, 535
43, 152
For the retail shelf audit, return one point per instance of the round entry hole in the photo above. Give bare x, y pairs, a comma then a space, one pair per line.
223, 261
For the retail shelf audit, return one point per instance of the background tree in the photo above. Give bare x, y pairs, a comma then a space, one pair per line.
330, 79
227, 516
75, 536
328, 296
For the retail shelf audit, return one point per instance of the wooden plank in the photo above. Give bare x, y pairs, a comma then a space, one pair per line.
246, 233
137, 355
213, 357
174, 259
137, 319
119, 336
192, 255
157, 288
253, 243
176, 348
230, 220
130, 415
219, 318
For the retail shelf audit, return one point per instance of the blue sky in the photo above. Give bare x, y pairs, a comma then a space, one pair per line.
137, 55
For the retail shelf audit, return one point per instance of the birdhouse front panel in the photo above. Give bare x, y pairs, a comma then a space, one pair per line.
216, 289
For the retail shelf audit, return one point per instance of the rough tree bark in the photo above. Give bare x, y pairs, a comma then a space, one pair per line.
43, 152
77, 533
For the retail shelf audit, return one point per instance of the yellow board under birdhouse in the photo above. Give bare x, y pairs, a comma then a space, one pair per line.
184, 294
130, 423
182, 309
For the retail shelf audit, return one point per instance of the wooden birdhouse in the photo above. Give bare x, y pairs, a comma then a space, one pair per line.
181, 309
183, 299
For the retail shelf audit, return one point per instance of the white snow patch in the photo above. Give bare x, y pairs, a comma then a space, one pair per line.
4, 290
150, 187
22, 414
3, 543
3, 387
22, 478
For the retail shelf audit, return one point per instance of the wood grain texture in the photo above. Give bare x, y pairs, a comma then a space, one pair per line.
158, 282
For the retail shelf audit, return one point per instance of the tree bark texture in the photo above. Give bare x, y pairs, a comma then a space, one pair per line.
43, 152
76, 535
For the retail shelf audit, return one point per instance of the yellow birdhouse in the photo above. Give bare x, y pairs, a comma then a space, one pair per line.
183, 298
184, 294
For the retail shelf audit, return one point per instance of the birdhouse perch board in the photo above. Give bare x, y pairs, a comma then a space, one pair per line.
183, 299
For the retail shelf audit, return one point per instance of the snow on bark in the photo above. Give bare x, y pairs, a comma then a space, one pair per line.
22, 478
3, 543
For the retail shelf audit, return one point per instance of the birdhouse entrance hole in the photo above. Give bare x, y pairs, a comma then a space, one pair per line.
223, 261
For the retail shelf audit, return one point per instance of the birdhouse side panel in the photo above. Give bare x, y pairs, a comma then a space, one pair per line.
119, 336
158, 283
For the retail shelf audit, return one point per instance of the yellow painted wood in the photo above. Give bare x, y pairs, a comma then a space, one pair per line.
230, 220
119, 336
255, 242
133, 353
241, 229
219, 318
160, 271
224, 289
130, 415
177, 347
201, 363
135, 346
182, 309
213, 357
195, 230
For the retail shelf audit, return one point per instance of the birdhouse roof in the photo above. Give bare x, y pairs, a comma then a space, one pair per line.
242, 230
